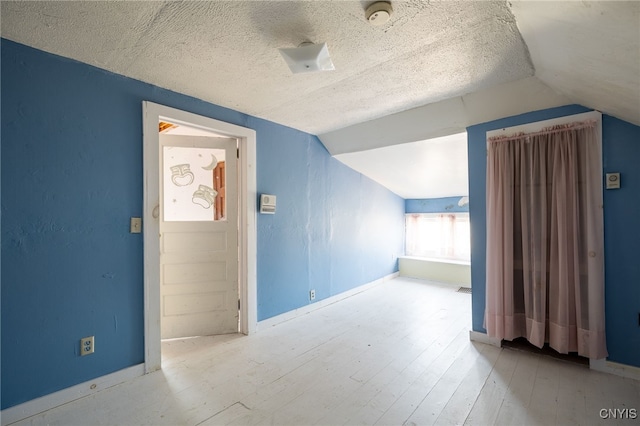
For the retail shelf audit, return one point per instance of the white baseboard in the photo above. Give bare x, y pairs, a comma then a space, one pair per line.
287, 316
610, 367
47, 402
601, 365
476, 336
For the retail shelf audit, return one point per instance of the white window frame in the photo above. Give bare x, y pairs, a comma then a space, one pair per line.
436, 255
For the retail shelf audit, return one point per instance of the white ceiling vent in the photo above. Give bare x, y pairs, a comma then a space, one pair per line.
379, 13
308, 57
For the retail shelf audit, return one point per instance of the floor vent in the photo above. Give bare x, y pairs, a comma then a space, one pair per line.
466, 290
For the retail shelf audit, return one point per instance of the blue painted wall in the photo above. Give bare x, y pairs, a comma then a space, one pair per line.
435, 205
333, 227
621, 153
72, 177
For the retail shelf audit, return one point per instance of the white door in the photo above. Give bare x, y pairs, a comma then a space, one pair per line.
198, 248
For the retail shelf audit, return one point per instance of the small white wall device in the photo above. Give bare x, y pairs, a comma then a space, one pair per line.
267, 204
613, 180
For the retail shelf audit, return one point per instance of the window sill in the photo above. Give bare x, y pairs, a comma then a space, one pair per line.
437, 260
434, 269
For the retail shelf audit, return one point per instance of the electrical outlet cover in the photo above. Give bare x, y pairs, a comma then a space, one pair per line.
87, 345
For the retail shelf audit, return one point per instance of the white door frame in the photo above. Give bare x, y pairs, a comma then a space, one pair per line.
151, 114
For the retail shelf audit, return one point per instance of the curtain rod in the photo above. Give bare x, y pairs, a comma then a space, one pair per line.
577, 125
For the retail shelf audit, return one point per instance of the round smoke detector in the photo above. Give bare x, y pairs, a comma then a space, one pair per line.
379, 13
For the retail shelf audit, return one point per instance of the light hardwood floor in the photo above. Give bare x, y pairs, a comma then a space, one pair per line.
396, 354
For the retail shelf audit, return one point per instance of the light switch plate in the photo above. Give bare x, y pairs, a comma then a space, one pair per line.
136, 225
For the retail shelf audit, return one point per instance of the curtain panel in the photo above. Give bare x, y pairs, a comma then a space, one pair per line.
545, 239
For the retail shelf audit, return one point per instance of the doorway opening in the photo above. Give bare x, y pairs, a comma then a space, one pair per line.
154, 118
198, 218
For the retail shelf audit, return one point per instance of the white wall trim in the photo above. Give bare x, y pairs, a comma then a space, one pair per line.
538, 125
476, 336
445, 117
247, 232
151, 114
622, 370
437, 260
287, 316
55, 399
601, 365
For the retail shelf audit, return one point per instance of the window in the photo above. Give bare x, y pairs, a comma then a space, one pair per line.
194, 180
438, 235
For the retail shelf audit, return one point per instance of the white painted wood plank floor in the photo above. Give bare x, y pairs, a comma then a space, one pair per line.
396, 354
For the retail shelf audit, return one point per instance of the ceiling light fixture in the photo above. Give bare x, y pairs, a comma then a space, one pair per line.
379, 13
308, 57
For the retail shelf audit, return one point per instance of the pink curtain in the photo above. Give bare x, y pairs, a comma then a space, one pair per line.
545, 239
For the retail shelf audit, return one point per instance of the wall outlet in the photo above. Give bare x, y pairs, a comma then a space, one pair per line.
312, 294
87, 346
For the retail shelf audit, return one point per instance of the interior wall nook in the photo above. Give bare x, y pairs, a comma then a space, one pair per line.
620, 152
545, 238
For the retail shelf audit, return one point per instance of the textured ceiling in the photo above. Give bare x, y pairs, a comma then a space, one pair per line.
588, 51
584, 52
432, 70
227, 52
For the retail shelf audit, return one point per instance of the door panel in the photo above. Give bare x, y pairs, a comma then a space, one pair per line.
198, 247
194, 241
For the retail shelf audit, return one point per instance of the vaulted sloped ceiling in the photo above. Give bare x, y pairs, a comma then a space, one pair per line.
589, 51
227, 52
432, 70
586, 53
